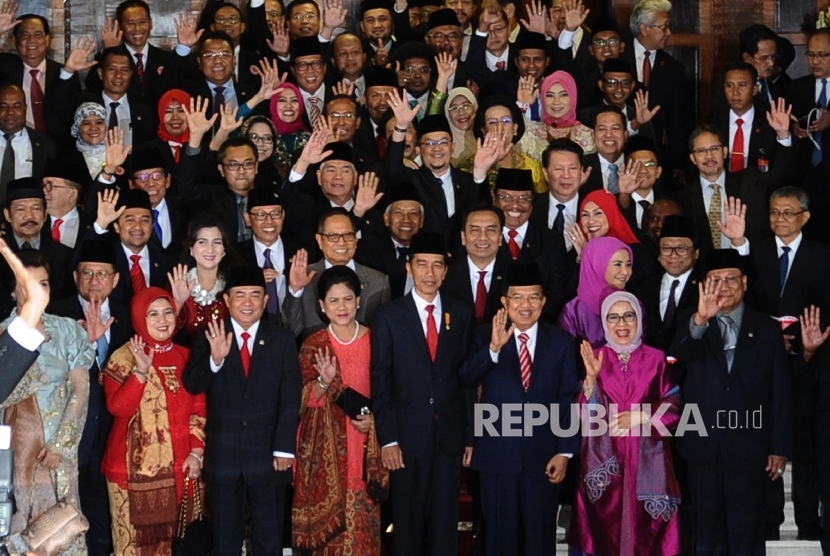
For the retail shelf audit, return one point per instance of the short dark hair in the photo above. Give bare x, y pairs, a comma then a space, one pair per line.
299, 3
823, 31
744, 66
609, 109
562, 145
336, 211
24, 17
214, 36
749, 37
792, 192
112, 51
32, 258
341, 97
705, 128
484, 208
238, 141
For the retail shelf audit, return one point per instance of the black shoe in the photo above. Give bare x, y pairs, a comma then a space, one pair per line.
809, 533
773, 534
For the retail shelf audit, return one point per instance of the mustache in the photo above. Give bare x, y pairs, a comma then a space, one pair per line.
29, 223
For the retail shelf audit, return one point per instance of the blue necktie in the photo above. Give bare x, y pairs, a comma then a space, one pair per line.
784, 266
730, 340
102, 351
157, 227
271, 288
765, 90
534, 111
613, 179
559, 221
815, 160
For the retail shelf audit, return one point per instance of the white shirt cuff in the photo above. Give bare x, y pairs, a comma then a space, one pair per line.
283, 455
29, 338
183, 50
482, 180
786, 141
566, 39
569, 456
743, 250
494, 355
98, 229
108, 181
257, 3
397, 11
481, 33
65, 75
294, 176
389, 445
322, 39
214, 367
298, 293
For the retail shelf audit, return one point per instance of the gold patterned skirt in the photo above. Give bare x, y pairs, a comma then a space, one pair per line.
123, 533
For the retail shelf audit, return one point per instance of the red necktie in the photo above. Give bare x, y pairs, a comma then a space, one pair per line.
36, 96
56, 230
736, 158
646, 68
380, 140
177, 152
514, 247
137, 275
481, 296
432, 333
501, 64
524, 360
245, 353
139, 66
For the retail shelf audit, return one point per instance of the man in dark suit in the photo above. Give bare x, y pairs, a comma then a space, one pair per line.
378, 83
608, 163
63, 187
605, 44
737, 367
759, 47
444, 35
641, 150
751, 186
136, 24
267, 249
35, 74
477, 276
753, 142
344, 121
108, 325
227, 18
423, 413
308, 68
250, 371
24, 150
520, 360
137, 259
527, 242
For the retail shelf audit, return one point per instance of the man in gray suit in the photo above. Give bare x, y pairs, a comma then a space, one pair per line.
337, 238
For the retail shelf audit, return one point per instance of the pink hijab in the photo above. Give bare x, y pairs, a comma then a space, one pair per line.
596, 255
563, 78
297, 125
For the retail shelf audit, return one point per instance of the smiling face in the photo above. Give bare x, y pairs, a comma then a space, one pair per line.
42, 278
228, 20
616, 87
606, 44
155, 181
516, 206
134, 227
161, 320
377, 24
437, 157
136, 24
619, 270
481, 236
246, 304
93, 130
26, 217
732, 287
708, 154
461, 112
557, 101
343, 119
217, 61
32, 42
208, 249
288, 106
340, 305
404, 219
610, 135
500, 118
564, 175
266, 223
622, 330
428, 272
677, 255
349, 56
340, 251
337, 179
532, 62
650, 170
309, 72
787, 217
593, 220
115, 75
304, 21
263, 138
175, 119
524, 305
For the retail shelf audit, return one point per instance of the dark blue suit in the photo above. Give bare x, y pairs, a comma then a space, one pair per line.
425, 408
515, 490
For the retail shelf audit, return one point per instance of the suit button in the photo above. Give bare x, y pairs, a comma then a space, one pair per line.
431, 401
244, 423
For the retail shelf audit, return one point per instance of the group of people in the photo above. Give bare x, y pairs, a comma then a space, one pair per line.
394, 223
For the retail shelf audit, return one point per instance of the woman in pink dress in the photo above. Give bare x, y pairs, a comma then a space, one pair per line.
627, 495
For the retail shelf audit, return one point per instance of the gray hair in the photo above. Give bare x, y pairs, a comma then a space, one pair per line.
792, 192
645, 13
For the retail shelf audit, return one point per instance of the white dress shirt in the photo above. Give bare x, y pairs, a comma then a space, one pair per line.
144, 53
571, 211
164, 222
144, 262
604, 164
491, 60
636, 198
68, 228
794, 245
520, 236
639, 57
421, 305
27, 88
746, 128
277, 257
665, 289
122, 111
474, 275
22, 146
449, 190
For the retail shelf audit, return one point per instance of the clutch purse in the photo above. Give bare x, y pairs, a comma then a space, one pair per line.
354, 403
195, 539
56, 529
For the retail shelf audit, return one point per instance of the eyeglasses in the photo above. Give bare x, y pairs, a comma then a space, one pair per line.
274, 14
433, 143
261, 216
679, 251
787, 214
533, 299
441, 37
766, 58
49, 186
348, 237
628, 317
522, 199
493, 122
614, 83
730, 280
498, 28
307, 17
813, 55
665, 27
703, 151
649, 164
266, 139
227, 20
466, 107
602, 43
88, 275
348, 116
303, 66
423, 70
236, 166
222, 54
147, 176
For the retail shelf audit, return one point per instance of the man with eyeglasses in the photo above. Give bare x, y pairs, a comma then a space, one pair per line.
108, 327
63, 187
464, 9
605, 44
759, 47
337, 239
379, 83
497, 53
308, 68
444, 35
517, 359
417, 74
342, 115
303, 19
736, 360
227, 18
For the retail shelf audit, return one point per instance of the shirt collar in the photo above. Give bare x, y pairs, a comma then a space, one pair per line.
521, 229
71, 215
637, 197
747, 118
604, 164
639, 51
474, 270
143, 51
721, 181
144, 253
41, 67
794, 244
668, 278
237, 331
105, 307
350, 264
421, 304
123, 102
261, 247
531, 333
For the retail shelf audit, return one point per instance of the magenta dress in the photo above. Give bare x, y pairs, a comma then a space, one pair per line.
627, 495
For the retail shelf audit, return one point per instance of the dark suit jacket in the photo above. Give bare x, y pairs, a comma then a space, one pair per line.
801, 94
98, 419
249, 419
587, 116
379, 253
553, 380
42, 149
759, 379
660, 333
458, 285
58, 256
762, 138
143, 118
15, 360
595, 179
411, 394
147, 91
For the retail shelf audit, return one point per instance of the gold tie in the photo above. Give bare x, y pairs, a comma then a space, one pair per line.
715, 215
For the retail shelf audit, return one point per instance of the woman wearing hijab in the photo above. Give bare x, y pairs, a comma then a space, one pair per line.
262, 132
460, 110
173, 133
627, 495
559, 98
158, 424
287, 111
90, 132
605, 268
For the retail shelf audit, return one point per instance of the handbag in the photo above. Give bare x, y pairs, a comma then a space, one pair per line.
354, 403
56, 529
195, 539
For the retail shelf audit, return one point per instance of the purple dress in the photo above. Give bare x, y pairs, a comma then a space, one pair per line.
627, 496
578, 319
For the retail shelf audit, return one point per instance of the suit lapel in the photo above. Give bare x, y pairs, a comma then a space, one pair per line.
259, 355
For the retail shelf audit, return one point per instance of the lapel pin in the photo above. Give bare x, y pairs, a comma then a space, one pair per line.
750, 335
262, 342
498, 277
447, 320
156, 265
